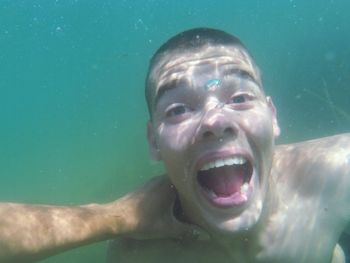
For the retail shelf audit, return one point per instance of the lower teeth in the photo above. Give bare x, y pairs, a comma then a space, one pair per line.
212, 193
244, 188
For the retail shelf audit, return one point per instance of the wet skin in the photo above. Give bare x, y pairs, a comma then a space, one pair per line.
193, 126
284, 204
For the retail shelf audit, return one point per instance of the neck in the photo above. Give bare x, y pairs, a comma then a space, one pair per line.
240, 245
244, 246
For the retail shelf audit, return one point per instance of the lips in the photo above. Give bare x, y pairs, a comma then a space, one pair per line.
226, 181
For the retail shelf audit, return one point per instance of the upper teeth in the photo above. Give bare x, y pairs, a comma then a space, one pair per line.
236, 160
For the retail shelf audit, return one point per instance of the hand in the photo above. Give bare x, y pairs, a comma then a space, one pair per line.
148, 213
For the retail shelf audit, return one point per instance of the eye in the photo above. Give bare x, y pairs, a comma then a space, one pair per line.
177, 110
242, 101
239, 99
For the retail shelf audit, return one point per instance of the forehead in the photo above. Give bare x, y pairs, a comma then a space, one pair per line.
182, 64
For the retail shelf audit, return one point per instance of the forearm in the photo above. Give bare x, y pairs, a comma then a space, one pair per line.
33, 232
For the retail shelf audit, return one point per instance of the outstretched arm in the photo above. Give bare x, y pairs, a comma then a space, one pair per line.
33, 232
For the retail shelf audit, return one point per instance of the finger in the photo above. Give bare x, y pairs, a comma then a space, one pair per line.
165, 187
189, 231
160, 184
183, 229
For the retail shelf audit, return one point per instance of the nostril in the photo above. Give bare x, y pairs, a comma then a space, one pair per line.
207, 134
226, 132
229, 131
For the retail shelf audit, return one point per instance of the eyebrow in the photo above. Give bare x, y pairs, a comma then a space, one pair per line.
178, 82
166, 87
246, 74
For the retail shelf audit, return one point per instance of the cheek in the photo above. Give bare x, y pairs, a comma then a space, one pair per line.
261, 140
174, 138
174, 141
260, 127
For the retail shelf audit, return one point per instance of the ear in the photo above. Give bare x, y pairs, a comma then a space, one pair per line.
276, 128
152, 144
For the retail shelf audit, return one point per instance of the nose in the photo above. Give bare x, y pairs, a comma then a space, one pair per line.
217, 124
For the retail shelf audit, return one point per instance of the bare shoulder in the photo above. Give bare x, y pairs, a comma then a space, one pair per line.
330, 142
317, 167
331, 153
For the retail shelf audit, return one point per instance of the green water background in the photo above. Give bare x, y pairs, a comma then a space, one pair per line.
72, 108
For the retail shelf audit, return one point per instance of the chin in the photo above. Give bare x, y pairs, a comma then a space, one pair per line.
244, 221
226, 221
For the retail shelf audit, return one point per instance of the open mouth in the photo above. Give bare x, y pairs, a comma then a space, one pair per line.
227, 181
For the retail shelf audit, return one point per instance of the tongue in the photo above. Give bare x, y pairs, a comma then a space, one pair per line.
223, 181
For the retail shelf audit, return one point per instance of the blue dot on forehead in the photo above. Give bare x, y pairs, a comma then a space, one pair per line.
212, 84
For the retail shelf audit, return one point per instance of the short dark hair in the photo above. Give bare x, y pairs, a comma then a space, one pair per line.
193, 39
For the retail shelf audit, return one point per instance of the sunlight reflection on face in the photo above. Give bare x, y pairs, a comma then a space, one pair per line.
202, 85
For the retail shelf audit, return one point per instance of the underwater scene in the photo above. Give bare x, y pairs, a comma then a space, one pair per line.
72, 77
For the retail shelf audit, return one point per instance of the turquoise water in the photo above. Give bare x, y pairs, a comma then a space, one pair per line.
72, 104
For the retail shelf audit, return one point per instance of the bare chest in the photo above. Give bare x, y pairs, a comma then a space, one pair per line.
293, 248
295, 234
304, 229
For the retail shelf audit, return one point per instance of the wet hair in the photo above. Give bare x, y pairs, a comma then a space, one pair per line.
190, 40
195, 39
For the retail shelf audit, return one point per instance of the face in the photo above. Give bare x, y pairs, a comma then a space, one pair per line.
214, 129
